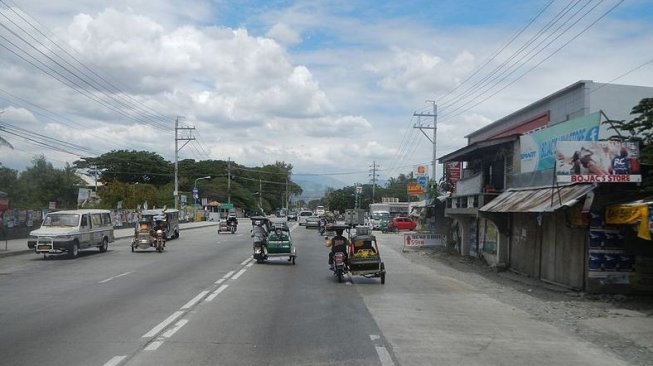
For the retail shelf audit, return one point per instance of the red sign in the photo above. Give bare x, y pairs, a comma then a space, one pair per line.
454, 169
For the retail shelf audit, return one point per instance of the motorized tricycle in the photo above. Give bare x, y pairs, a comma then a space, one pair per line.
227, 225
271, 240
362, 258
145, 237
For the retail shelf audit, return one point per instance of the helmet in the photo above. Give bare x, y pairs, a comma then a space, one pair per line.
338, 231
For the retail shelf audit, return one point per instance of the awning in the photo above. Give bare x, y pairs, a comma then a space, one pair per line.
477, 149
541, 199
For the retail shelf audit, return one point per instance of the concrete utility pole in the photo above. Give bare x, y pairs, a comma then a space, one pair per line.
434, 128
188, 139
229, 180
373, 174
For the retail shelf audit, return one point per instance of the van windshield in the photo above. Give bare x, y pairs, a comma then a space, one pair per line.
380, 215
61, 220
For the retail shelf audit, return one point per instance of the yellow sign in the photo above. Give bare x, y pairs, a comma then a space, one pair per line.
630, 215
414, 189
421, 170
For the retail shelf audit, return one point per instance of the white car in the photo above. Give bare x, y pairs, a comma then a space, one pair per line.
303, 215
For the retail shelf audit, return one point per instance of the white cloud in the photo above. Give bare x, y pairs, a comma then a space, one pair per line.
283, 34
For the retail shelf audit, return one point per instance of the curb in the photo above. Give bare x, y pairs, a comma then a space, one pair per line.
11, 253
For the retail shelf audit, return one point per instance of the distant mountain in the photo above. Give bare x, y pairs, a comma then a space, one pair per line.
315, 186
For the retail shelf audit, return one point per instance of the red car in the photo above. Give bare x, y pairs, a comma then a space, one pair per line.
401, 223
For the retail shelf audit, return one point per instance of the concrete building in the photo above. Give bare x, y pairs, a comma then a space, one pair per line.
507, 206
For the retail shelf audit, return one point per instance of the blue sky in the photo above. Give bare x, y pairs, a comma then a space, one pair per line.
313, 83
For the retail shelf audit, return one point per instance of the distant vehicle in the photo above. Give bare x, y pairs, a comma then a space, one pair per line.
376, 218
312, 221
71, 231
401, 223
303, 215
320, 211
292, 216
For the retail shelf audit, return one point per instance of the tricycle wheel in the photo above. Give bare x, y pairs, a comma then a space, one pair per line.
293, 261
132, 248
382, 268
340, 276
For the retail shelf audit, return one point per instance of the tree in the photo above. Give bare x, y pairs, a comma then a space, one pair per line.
130, 167
640, 129
42, 183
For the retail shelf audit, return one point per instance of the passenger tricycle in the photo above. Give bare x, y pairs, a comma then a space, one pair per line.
362, 257
271, 240
145, 237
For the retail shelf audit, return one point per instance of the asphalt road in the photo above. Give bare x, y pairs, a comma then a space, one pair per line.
204, 302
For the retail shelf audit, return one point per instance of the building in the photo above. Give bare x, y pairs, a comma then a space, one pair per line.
508, 208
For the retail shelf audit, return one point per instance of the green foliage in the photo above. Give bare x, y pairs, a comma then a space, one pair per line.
130, 167
42, 183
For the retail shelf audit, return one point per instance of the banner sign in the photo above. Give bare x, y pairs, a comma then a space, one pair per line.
630, 214
538, 148
454, 170
597, 162
414, 189
416, 241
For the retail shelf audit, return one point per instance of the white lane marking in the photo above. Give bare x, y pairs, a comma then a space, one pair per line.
163, 324
115, 361
195, 300
154, 345
219, 281
384, 356
114, 277
229, 274
240, 273
174, 330
246, 261
249, 264
216, 293
381, 351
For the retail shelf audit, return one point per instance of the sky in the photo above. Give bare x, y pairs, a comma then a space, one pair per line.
330, 87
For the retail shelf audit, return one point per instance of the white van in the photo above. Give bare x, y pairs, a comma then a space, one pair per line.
72, 231
303, 215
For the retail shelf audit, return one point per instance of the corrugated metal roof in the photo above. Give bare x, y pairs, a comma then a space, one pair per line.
543, 199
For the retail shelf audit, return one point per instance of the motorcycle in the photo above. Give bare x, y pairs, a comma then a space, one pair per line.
160, 242
339, 265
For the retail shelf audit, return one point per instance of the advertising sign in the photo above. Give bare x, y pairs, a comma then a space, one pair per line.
597, 162
414, 241
538, 148
454, 169
421, 170
414, 189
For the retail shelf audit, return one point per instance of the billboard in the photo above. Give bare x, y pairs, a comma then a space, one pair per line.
538, 148
597, 162
414, 189
421, 171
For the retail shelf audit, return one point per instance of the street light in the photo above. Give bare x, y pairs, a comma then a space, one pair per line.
195, 190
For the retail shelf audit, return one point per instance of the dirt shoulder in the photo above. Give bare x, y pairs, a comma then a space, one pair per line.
621, 324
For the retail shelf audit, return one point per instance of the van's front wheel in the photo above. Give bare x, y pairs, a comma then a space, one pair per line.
105, 245
74, 251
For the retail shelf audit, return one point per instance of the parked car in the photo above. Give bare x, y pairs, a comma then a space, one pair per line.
292, 216
401, 223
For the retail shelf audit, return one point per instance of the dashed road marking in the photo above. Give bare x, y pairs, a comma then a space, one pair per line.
240, 273
153, 346
216, 293
114, 277
174, 330
246, 261
115, 361
195, 300
249, 264
381, 351
154, 331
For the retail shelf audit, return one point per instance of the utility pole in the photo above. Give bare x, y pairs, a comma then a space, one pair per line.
260, 194
229, 180
373, 174
434, 128
188, 138
287, 208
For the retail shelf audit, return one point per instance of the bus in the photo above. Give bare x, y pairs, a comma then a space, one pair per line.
319, 210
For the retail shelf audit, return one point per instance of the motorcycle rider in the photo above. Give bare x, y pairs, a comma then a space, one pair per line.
232, 220
159, 225
338, 244
259, 233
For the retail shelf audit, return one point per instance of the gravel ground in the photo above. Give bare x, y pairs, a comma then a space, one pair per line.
560, 307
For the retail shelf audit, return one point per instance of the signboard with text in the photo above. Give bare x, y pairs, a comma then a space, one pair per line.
597, 162
416, 241
414, 189
537, 149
